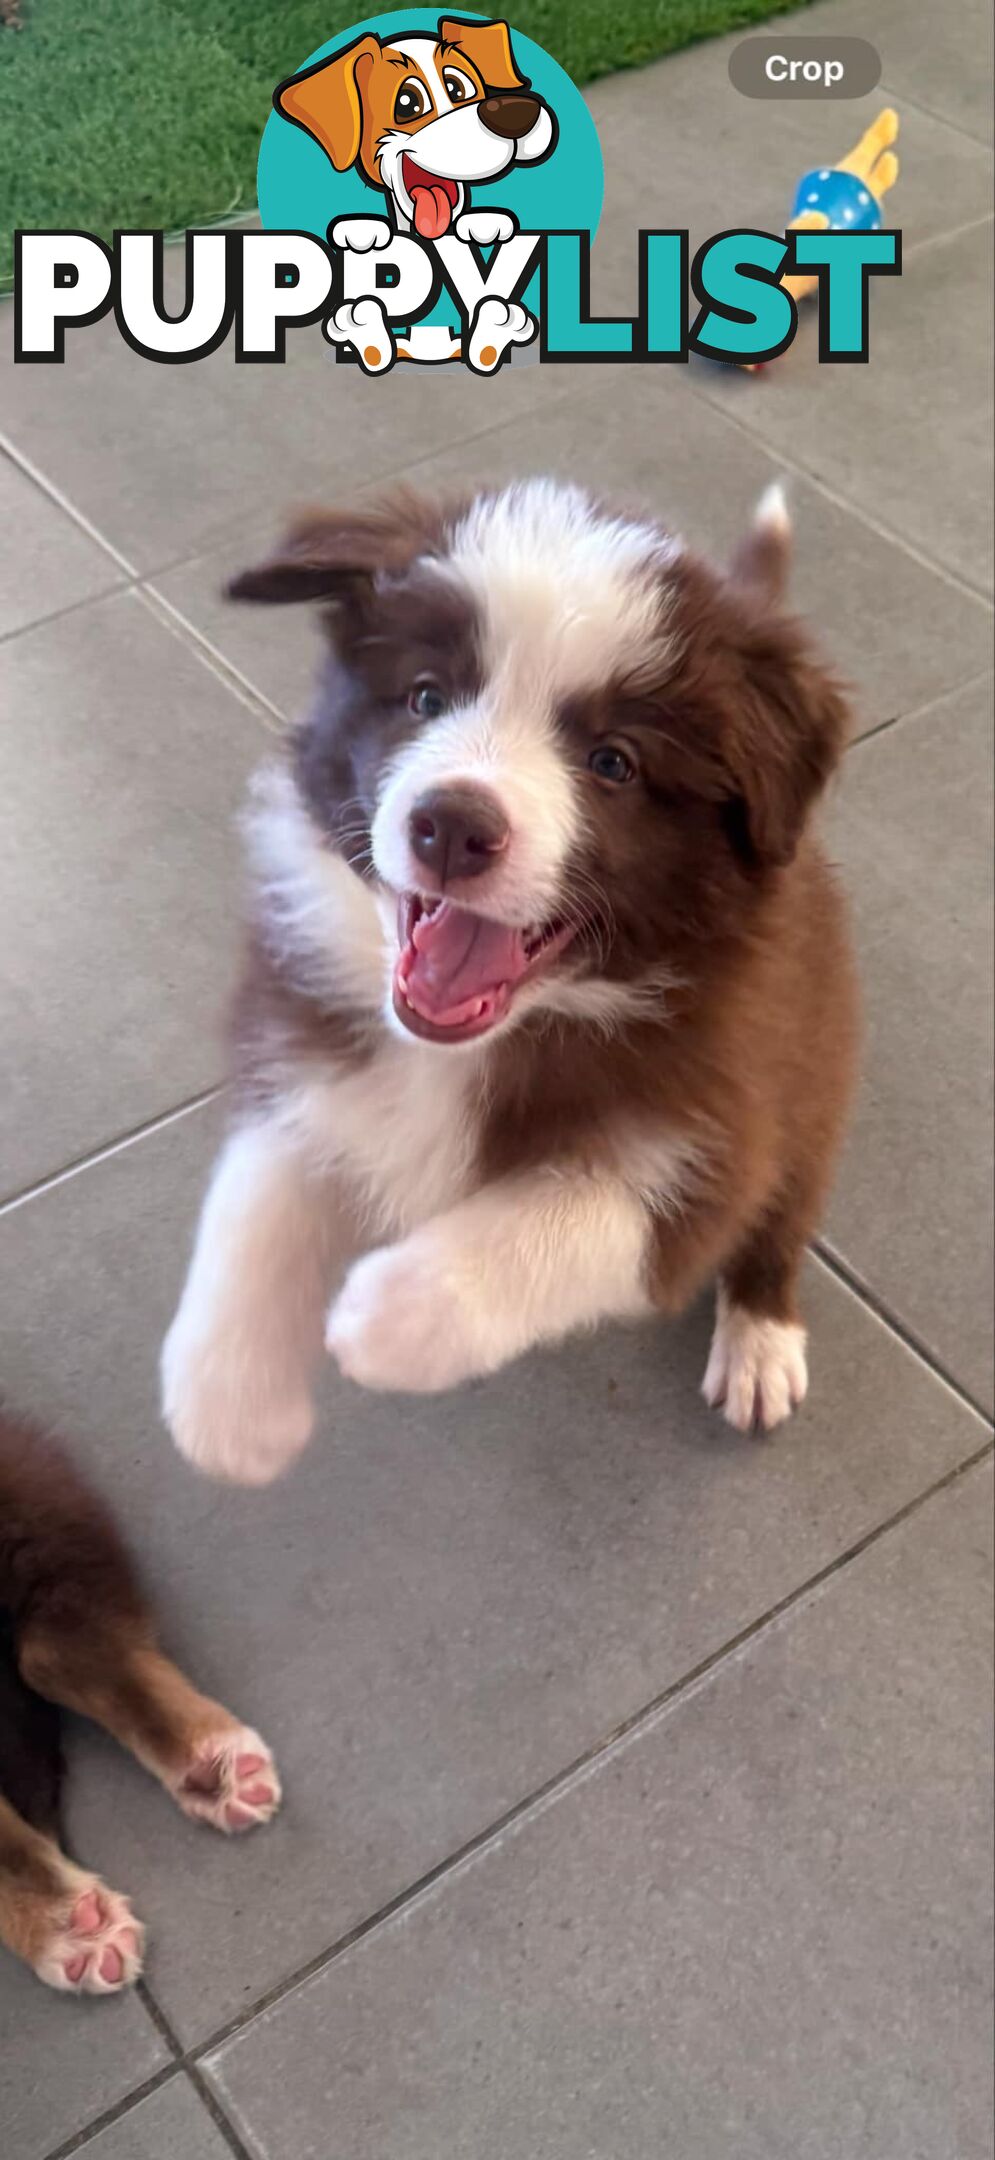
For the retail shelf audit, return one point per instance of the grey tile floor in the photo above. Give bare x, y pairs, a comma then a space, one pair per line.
636, 1775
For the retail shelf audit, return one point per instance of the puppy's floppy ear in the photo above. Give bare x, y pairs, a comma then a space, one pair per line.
326, 553
326, 100
789, 720
785, 736
488, 46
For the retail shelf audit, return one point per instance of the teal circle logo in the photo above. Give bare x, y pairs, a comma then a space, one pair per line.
443, 130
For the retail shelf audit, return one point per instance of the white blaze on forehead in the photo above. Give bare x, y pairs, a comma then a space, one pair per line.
422, 50
566, 594
564, 598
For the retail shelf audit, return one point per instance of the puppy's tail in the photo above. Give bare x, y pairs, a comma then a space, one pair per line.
762, 560
61, 1563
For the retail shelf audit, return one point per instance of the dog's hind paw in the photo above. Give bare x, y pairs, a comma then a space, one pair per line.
496, 325
364, 324
230, 1782
96, 1948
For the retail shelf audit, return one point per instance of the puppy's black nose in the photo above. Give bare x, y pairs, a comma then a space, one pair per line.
457, 832
510, 113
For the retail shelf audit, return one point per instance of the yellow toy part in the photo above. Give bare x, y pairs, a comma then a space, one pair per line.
873, 164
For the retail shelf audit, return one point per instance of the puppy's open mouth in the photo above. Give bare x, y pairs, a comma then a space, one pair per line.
434, 199
457, 972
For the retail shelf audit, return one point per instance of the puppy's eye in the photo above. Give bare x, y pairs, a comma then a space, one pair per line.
458, 87
411, 100
426, 701
608, 762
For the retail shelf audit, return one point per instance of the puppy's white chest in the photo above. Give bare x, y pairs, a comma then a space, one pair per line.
402, 1128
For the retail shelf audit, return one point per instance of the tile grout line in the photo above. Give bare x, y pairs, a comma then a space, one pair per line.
112, 1147
918, 712
956, 232
168, 2075
55, 494
574, 1773
835, 1264
210, 656
113, 591
212, 2106
902, 97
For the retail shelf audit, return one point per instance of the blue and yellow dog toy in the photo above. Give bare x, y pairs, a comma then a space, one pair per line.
842, 198
845, 197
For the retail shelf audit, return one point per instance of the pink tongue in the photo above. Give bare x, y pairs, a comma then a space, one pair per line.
433, 211
455, 959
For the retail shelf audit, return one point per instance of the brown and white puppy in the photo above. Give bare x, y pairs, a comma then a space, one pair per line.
423, 117
549, 995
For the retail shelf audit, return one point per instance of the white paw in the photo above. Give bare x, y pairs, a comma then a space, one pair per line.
97, 1948
231, 1782
364, 324
360, 234
230, 1411
757, 1371
496, 325
400, 1322
486, 228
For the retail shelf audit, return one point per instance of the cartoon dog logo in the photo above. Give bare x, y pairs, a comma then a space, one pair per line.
424, 119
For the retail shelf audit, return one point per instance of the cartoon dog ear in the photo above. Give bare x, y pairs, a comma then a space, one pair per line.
488, 46
326, 100
327, 553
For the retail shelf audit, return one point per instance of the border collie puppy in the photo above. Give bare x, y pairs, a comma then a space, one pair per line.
75, 1630
548, 996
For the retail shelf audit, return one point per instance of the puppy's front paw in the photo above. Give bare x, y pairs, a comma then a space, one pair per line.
757, 1371
402, 1321
229, 1409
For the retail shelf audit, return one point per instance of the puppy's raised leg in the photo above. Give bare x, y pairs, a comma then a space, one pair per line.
522, 1262
75, 1932
238, 1361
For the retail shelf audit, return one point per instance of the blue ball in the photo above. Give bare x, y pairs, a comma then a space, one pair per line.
846, 201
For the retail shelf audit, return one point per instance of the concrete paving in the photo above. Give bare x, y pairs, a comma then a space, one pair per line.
636, 1775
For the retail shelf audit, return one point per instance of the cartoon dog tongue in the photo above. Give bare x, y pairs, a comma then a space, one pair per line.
456, 962
433, 210
433, 200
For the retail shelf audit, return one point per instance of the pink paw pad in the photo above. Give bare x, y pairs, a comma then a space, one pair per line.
98, 1949
231, 1782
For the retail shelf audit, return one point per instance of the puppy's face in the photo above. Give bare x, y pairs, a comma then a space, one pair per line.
568, 753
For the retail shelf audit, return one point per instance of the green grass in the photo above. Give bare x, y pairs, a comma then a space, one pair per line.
149, 112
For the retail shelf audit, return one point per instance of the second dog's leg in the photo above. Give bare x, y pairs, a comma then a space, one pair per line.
111, 1670
77, 1934
238, 1361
